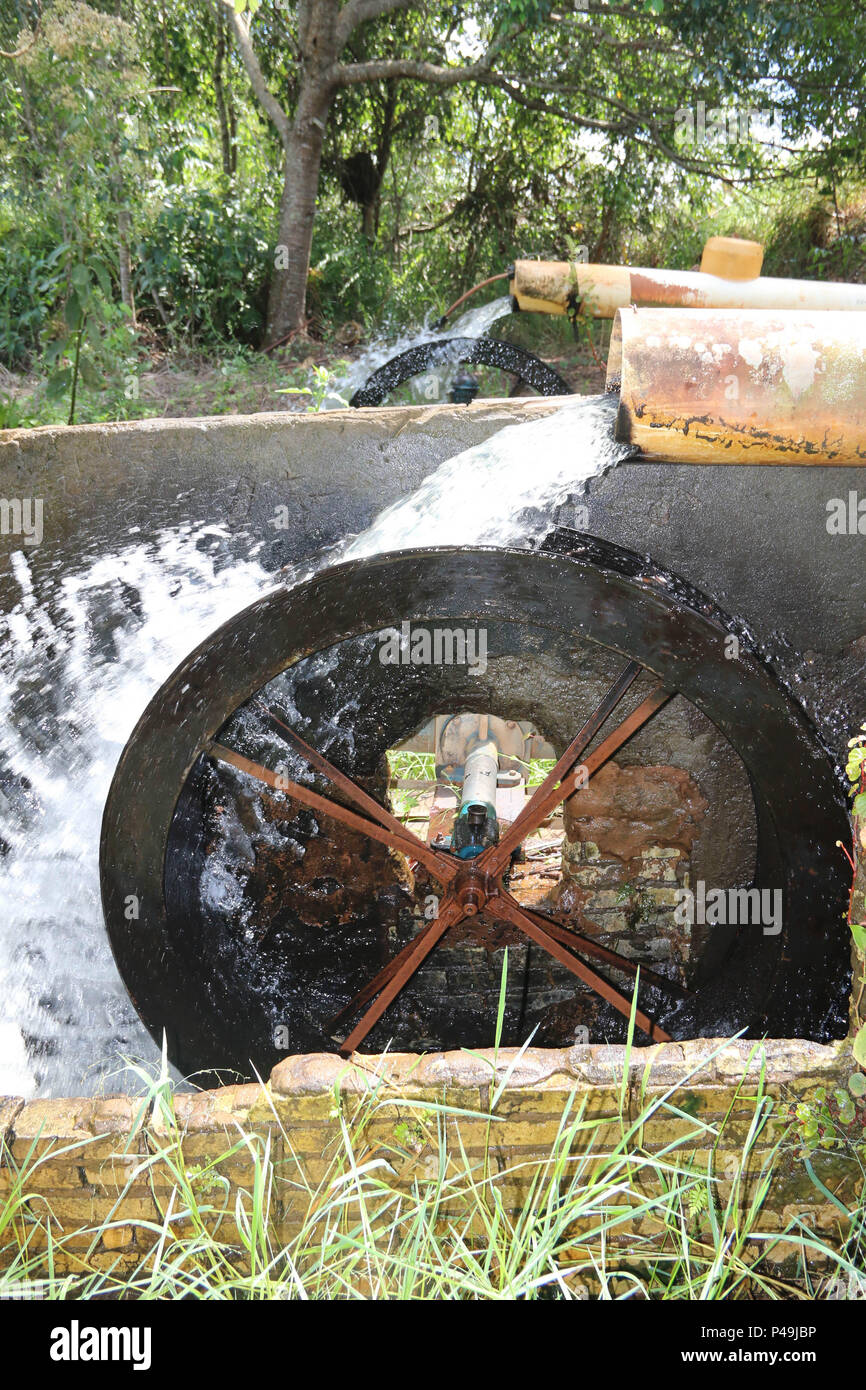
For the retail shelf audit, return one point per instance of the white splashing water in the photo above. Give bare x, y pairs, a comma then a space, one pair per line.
75, 680
502, 492
65, 715
473, 324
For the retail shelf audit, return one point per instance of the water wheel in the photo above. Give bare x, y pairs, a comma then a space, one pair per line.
513, 371
261, 896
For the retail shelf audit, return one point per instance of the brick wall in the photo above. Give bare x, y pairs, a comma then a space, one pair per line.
112, 1159
626, 853
100, 1159
631, 911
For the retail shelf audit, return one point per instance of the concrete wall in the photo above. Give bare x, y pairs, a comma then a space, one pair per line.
754, 538
334, 471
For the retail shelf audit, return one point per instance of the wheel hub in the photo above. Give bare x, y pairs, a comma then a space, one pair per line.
472, 889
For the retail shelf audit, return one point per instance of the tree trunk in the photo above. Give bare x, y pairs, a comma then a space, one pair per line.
288, 289
370, 212
369, 217
124, 237
233, 137
223, 107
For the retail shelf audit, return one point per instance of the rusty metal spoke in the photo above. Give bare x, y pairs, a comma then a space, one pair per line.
411, 959
509, 910
515, 832
349, 787
495, 860
385, 974
577, 942
405, 841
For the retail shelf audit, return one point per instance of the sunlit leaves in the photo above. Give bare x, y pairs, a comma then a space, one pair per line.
527, 13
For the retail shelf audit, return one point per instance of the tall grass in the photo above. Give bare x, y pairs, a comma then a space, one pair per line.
601, 1217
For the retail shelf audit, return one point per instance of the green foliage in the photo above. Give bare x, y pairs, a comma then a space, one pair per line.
698, 1203
75, 351
149, 121
321, 390
526, 13
831, 1119
537, 770
855, 770
638, 904
410, 767
421, 766
204, 260
15, 416
31, 281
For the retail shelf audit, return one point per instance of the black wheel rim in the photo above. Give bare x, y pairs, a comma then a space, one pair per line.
482, 352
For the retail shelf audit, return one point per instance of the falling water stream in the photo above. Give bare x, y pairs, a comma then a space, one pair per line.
74, 684
473, 324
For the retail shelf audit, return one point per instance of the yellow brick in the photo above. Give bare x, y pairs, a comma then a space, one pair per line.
78, 1240
87, 1210
291, 1110
314, 1140
116, 1237
117, 1262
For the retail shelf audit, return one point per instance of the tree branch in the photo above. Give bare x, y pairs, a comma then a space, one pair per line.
628, 127
358, 12
429, 226
265, 96
19, 52
649, 45
507, 86
378, 70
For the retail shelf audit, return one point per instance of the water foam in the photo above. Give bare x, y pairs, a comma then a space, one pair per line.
504, 491
76, 678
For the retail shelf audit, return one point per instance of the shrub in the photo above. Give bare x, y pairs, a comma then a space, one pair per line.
203, 265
